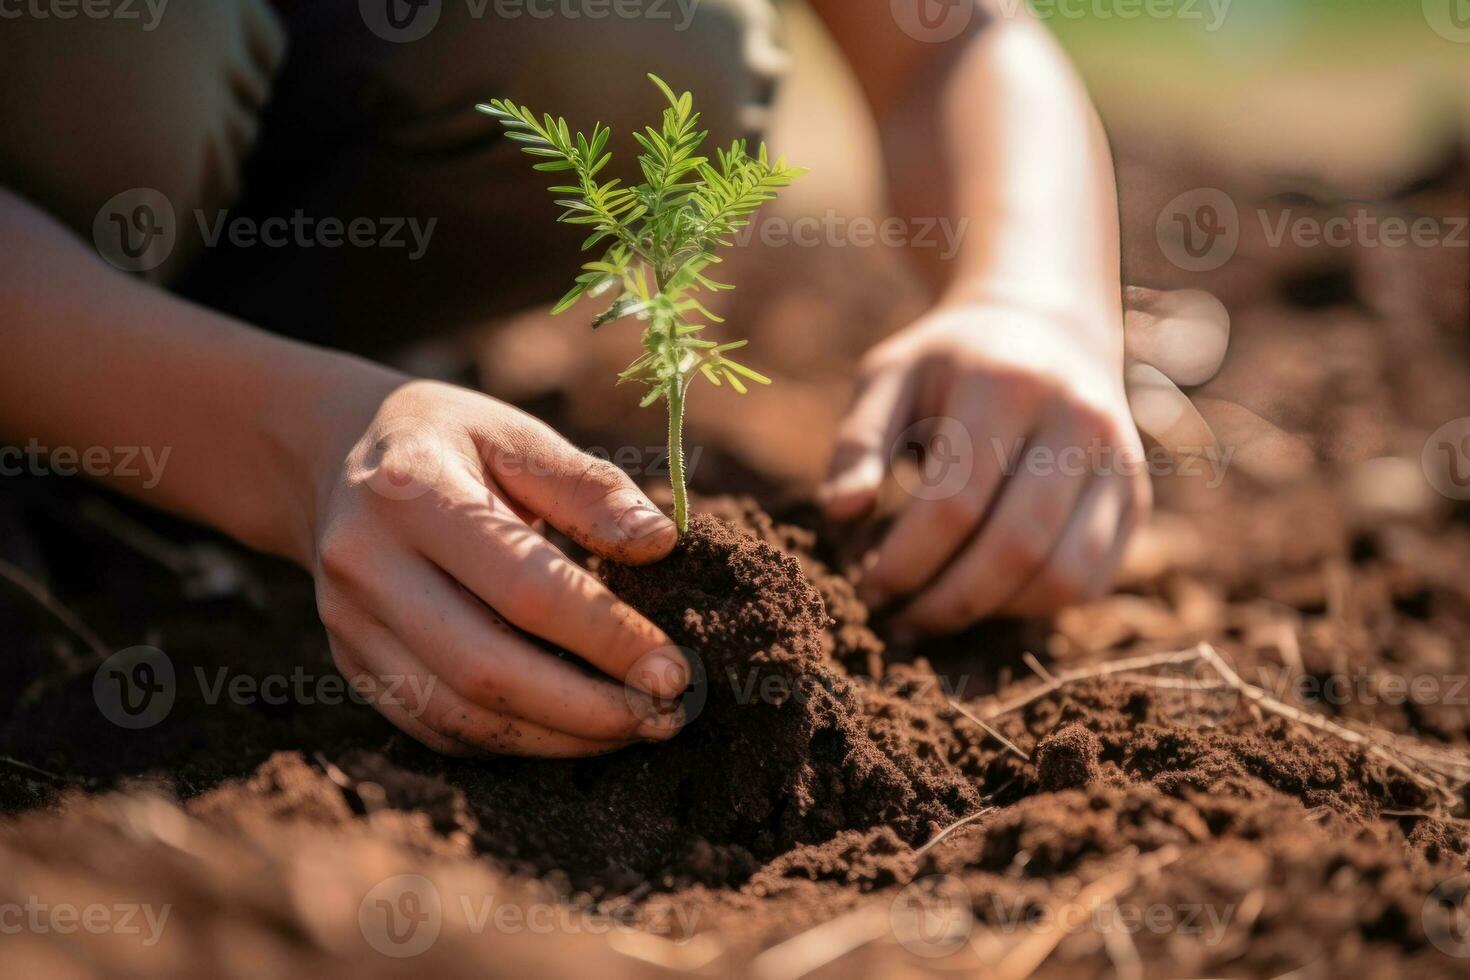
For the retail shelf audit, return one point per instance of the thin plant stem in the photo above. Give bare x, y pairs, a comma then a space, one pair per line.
676, 452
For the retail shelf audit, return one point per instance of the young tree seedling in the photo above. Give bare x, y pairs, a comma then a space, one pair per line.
668, 227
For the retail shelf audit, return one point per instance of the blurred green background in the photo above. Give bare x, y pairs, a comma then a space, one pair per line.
1347, 85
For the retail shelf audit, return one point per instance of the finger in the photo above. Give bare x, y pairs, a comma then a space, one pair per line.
1184, 333
1017, 539
880, 409
1080, 567
1164, 412
475, 538
953, 492
476, 653
1135, 516
417, 697
588, 499
352, 672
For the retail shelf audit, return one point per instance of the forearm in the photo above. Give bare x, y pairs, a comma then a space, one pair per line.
1027, 180
223, 412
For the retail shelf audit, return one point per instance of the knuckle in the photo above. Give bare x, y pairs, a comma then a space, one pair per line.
594, 481
452, 724
1029, 389
527, 602
340, 553
878, 359
342, 660
337, 616
481, 683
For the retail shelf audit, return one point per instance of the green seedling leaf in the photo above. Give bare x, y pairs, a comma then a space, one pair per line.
660, 236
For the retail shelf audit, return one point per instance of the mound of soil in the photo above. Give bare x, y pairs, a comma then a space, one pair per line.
781, 749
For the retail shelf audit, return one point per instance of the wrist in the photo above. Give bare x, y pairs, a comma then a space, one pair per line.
1092, 317
310, 419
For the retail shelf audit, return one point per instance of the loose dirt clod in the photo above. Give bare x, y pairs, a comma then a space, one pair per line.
1067, 759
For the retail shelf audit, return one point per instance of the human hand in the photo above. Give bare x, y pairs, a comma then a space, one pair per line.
427, 569
1029, 502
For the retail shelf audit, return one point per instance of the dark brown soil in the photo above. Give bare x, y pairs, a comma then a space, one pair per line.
823, 765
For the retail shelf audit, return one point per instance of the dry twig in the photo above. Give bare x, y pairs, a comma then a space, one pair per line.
1026, 957
43, 597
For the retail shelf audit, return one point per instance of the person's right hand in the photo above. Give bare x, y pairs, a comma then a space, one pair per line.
427, 572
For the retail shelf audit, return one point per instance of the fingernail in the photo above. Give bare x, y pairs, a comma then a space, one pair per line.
663, 725
834, 491
665, 675
643, 521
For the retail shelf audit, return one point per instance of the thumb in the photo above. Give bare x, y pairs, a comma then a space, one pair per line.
1184, 332
865, 440
588, 499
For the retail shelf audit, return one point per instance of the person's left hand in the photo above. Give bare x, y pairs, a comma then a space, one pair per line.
1031, 481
